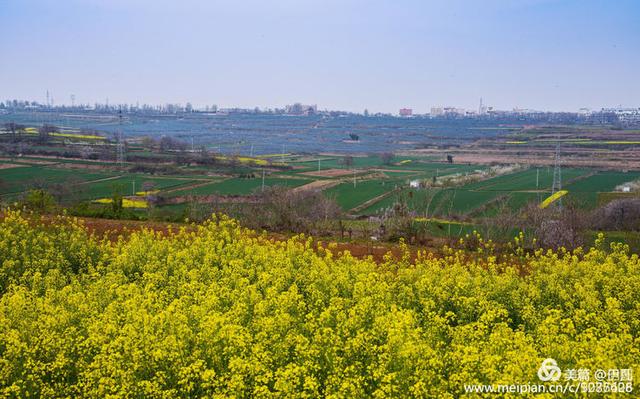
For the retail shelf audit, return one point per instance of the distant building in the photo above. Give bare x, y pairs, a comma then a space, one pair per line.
406, 112
301, 109
584, 111
453, 111
436, 111
625, 115
482, 109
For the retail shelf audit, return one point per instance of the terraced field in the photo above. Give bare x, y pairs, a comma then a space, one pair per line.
513, 190
517, 189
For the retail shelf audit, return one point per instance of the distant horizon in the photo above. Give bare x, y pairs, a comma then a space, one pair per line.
201, 107
350, 55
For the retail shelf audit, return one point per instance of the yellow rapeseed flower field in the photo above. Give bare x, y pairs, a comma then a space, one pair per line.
126, 202
216, 310
552, 198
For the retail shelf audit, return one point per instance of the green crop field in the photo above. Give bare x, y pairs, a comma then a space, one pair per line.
126, 184
603, 181
412, 164
526, 180
241, 186
15, 180
516, 188
458, 201
204, 189
585, 191
348, 196
338, 163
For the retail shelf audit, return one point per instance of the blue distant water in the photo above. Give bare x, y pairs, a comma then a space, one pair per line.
237, 133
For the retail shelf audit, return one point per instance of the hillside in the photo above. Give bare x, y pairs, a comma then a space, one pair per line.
216, 310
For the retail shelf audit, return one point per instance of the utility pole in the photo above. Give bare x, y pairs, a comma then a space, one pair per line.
120, 156
133, 183
283, 153
538, 183
354, 178
251, 154
262, 179
318, 164
557, 175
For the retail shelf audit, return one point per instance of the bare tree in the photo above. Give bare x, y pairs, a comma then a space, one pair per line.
170, 144
71, 192
279, 208
45, 131
347, 161
148, 185
621, 214
14, 130
557, 227
387, 158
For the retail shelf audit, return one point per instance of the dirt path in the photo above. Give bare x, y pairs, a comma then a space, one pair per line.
317, 185
100, 180
192, 186
372, 201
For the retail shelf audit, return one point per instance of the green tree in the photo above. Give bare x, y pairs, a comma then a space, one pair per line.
39, 200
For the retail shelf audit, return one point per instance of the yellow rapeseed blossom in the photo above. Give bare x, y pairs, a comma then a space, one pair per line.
552, 198
126, 202
217, 310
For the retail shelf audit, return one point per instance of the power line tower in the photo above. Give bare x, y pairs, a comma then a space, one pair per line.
557, 175
120, 156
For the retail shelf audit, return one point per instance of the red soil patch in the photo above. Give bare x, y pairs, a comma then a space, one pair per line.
112, 229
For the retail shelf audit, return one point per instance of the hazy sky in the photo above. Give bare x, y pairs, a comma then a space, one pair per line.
339, 54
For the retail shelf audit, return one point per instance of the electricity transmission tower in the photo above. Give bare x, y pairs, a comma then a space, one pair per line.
120, 156
557, 175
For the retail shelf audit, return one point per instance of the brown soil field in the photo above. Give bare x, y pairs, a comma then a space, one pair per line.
28, 161
594, 158
329, 173
82, 166
317, 185
9, 165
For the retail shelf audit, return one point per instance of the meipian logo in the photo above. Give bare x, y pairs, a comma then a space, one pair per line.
549, 370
